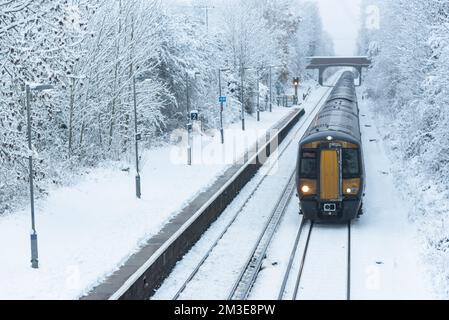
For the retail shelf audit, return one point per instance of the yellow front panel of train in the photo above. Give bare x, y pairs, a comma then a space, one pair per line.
330, 175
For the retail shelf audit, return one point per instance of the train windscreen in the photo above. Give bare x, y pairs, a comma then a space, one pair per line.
309, 164
351, 163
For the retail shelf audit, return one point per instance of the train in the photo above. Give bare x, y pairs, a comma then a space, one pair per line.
330, 173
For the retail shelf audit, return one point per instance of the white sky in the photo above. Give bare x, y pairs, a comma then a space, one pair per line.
341, 18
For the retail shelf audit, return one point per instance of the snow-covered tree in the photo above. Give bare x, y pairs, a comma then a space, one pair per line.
30, 38
311, 39
101, 56
409, 84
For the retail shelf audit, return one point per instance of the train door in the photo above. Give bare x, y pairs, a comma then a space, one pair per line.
330, 175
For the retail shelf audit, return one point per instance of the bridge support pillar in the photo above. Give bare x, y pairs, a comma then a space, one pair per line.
359, 69
321, 76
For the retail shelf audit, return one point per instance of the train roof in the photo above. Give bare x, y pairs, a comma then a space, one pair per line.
339, 117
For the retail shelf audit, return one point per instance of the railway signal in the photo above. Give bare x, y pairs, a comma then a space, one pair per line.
296, 84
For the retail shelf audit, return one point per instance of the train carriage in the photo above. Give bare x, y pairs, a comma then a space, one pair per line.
330, 169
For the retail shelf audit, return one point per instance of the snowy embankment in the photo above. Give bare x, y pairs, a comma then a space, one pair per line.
427, 204
386, 263
86, 231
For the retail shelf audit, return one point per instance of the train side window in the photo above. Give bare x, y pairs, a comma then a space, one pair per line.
351, 163
309, 164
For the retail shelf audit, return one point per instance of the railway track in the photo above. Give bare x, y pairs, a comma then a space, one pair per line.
302, 253
222, 234
247, 200
248, 276
348, 283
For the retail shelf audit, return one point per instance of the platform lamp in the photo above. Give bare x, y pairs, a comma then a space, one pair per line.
271, 84
137, 134
33, 236
189, 121
221, 102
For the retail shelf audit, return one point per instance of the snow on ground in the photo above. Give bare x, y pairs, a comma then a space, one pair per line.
325, 271
268, 284
217, 276
86, 231
416, 203
386, 253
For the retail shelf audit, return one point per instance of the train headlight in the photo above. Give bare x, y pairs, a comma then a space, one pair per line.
307, 187
351, 187
352, 191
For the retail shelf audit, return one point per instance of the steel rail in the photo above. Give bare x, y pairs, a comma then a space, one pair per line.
247, 277
251, 195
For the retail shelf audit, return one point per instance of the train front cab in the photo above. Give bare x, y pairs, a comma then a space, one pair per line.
330, 179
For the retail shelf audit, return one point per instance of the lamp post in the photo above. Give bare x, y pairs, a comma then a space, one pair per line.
206, 8
137, 138
271, 91
242, 70
242, 75
258, 96
271, 86
189, 122
137, 135
33, 235
221, 103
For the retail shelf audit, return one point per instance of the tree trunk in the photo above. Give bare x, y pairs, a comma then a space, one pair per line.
71, 116
116, 78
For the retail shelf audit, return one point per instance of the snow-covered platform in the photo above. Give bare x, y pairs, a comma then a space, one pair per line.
146, 269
